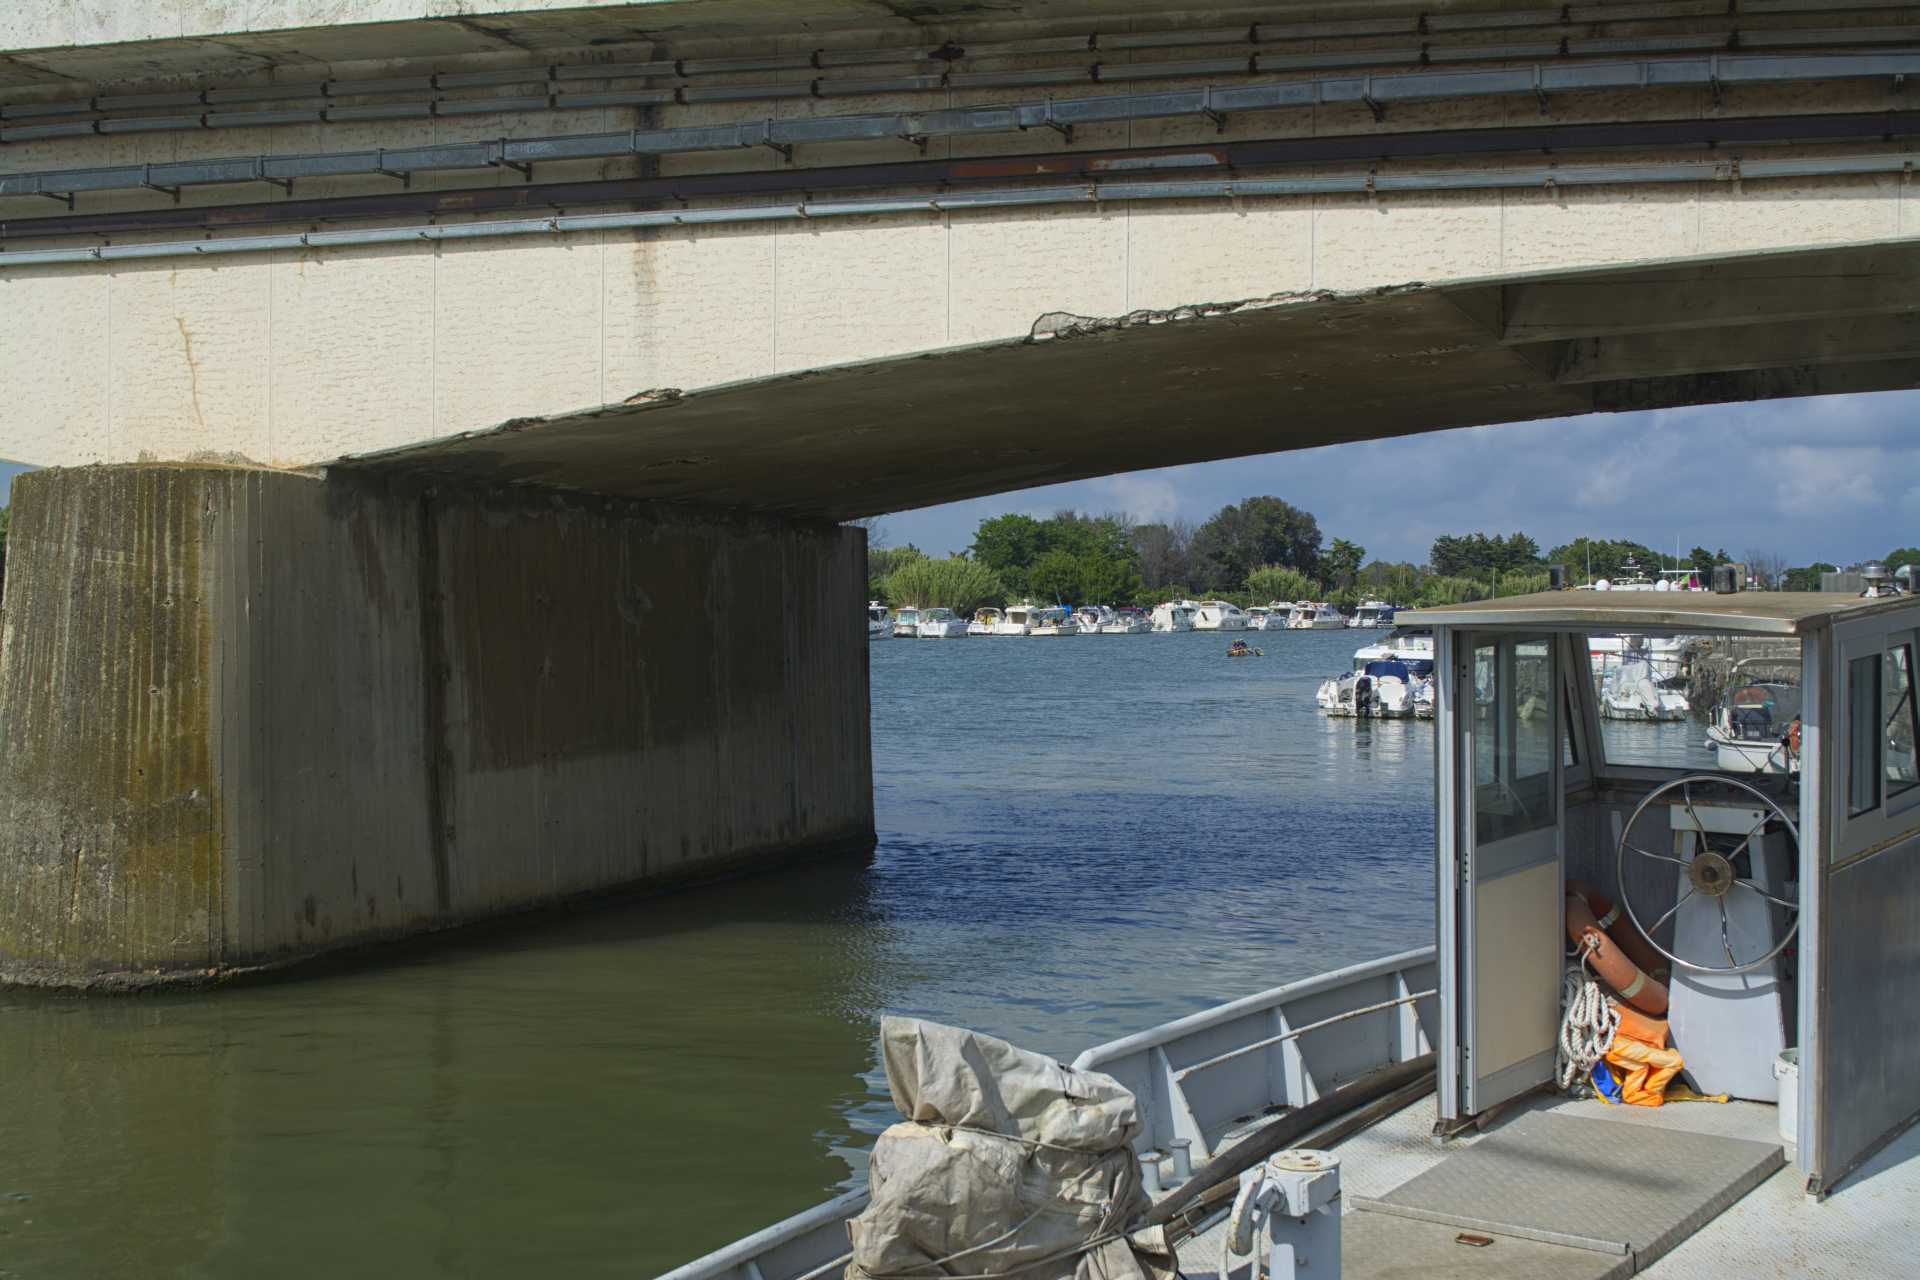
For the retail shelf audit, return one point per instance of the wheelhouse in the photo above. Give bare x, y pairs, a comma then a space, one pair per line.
1785, 901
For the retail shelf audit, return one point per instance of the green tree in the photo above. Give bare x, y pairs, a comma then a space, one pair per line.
1341, 565
1259, 531
1055, 577
1895, 558
954, 583
1521, 584
1394, 582
1480, 555
884, 562
1441, 589
1603, 558
1008, 545
1280, 583
1807, 578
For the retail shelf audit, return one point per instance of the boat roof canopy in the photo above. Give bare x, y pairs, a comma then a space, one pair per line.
1769, 612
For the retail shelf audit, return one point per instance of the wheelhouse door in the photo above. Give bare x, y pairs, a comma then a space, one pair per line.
1508, 909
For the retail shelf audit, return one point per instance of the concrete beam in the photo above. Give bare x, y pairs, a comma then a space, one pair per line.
1755, 384
1081, 398
1846, 340
1813, 285
247, 718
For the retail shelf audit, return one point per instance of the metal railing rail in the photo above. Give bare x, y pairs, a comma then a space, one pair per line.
938, 62
1378, 93
1371, 183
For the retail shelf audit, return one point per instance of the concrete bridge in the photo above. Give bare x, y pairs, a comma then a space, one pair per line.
478, 391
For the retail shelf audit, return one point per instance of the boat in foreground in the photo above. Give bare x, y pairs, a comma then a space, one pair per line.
1781, 1044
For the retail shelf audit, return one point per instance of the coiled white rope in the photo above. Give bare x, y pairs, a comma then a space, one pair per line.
1586, 1025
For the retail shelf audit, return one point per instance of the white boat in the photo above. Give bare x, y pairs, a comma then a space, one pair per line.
1450, 1091
984, 622
1092, 619
1633, 690
1404, 643
1372, 614
1257, 617
906, 623
1384, 688
1314, 615
879, 621
1173, 616
941, 624
1054, 620
1756, 730
1127, 622
1219, 615
1667, 655
1017, 620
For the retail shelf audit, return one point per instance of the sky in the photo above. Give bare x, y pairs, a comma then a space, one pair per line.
1822, 478
1819, 478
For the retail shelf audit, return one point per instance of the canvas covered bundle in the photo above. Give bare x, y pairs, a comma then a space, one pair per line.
1007, 1163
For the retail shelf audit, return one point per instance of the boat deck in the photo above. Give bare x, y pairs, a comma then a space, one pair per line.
1863, 1230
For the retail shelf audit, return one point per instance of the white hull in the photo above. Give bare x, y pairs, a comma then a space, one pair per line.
1136, 628
946, 629
1012, 629
1749, 755
1316, 624
1063, 629
979, 628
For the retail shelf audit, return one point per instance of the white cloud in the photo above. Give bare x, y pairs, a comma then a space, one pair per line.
1808, 478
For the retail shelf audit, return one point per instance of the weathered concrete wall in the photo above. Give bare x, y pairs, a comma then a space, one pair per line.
250, 717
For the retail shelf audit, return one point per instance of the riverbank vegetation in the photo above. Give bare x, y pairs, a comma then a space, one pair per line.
1266, 549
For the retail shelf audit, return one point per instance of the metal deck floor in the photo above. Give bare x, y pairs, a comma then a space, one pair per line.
1864, 1231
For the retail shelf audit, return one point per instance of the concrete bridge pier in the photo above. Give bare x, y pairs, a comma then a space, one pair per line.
248, 717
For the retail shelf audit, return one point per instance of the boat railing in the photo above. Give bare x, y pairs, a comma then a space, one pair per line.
1197, 1077
1201, 1077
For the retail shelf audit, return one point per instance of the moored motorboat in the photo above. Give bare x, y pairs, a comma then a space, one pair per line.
1054, 620
984, 621
1314, 615
1372, 614
1092, 619
941, 624
1017, 620
1633, 690
1386, 688
1173, 616
879, 621
906, 622
1757, 729
1219, 615
1127, 622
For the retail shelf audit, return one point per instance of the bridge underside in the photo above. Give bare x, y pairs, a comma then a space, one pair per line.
1087, 396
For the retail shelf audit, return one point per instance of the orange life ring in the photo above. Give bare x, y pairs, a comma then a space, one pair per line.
1611, 918
1628, 979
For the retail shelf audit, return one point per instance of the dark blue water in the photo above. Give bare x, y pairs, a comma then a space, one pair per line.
1079, 838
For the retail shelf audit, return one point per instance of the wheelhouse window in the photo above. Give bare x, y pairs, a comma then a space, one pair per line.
1863, 736
1899, 720
1513, 739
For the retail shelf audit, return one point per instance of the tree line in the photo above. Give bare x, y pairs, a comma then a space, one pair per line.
1259, 550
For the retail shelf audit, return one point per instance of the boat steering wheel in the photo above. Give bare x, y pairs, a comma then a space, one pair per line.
1710, 874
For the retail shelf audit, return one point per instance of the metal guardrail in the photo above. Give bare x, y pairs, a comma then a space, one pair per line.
1378, 93
810, 1245
1371, 184
931, 68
